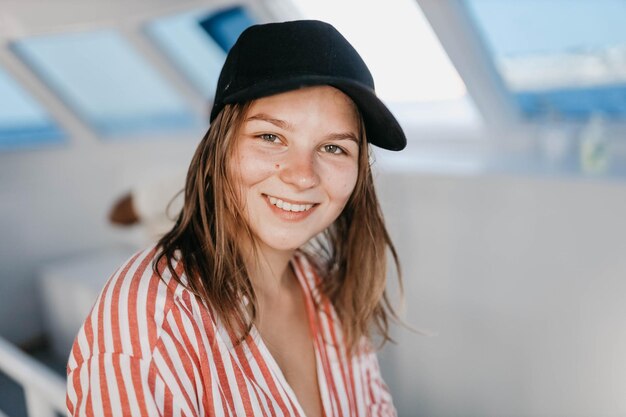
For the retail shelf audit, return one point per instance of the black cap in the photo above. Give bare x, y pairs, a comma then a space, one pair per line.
278, 57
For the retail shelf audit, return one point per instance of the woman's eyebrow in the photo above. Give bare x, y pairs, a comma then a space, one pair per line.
265, 118
343, 136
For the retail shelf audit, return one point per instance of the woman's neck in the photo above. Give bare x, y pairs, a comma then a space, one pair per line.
269, 271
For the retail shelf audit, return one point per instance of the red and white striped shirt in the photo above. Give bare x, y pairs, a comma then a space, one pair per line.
151, 348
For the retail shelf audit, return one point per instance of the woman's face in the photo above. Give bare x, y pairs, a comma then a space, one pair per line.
296, 163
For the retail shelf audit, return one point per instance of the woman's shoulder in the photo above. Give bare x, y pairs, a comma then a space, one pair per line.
131, 310
146, 279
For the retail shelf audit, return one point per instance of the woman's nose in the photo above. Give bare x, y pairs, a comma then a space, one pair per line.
300, 170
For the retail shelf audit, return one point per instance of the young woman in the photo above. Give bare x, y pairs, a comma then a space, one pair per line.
263, 298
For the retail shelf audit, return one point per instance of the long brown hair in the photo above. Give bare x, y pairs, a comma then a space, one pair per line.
351, 255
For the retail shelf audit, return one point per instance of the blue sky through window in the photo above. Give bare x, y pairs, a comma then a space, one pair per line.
529, 27
561, 58
23, 122
226, 25
106, 83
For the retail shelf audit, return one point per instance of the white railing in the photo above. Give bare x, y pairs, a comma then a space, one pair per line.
44, 390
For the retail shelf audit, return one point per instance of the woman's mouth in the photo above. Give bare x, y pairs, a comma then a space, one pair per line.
289, 206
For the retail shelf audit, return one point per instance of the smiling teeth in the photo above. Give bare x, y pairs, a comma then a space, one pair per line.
288, 206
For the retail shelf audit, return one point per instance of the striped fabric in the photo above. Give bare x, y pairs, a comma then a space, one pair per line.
151, 348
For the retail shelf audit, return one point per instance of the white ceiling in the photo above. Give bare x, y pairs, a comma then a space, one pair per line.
31, 17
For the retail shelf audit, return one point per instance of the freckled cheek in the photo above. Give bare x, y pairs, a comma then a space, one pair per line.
254, 169
341, 184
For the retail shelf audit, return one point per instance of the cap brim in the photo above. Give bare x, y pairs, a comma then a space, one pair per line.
382, 128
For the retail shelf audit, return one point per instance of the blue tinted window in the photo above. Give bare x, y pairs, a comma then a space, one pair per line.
563, 58
206, 37
106, 83
23, 122
226, 25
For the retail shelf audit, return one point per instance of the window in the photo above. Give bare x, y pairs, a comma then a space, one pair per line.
206, 37
563, 59
226, 25
103, 80
23, 122
401, 50
413, 73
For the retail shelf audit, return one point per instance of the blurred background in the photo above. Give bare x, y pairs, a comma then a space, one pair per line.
508, 206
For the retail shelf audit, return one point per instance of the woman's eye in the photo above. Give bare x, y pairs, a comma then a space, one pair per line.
333, 149
268, 137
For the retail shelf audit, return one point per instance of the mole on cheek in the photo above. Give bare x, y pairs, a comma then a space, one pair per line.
277, 166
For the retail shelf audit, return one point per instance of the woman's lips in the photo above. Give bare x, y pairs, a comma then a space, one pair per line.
290, 209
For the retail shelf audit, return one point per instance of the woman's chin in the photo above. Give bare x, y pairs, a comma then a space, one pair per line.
282, 245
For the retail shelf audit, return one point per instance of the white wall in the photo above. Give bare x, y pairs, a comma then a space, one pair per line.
523, 280
54, 204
